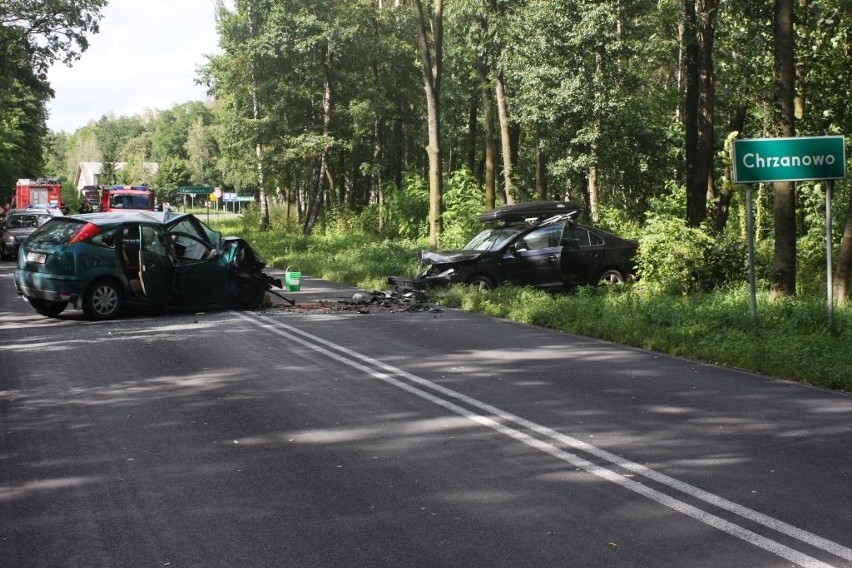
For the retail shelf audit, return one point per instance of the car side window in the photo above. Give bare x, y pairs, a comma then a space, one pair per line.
581, 237
105, 239
543, 237
151, 241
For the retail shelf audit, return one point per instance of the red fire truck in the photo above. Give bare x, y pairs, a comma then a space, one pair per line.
123, 197
38, 193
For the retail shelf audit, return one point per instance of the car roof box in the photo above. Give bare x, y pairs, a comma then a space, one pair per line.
530, 211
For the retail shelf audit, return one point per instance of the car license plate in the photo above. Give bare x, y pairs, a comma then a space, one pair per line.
36, 257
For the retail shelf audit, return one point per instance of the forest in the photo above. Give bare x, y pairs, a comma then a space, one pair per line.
407, 118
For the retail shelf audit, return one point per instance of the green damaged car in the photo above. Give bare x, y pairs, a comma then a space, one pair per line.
105, 263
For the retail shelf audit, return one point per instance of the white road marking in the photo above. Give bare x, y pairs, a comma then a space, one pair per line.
496, 420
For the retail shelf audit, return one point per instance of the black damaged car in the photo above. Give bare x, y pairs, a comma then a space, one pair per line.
535, 244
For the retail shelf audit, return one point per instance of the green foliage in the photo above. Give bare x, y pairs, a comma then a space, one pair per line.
463, 203
23, 96
170, 178
407, 208
50, 31
337, 251
616, 220
672, 255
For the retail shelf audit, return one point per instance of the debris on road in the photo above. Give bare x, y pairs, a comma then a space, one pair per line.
367, 303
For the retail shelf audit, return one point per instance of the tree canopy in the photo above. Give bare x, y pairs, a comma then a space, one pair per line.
34, 34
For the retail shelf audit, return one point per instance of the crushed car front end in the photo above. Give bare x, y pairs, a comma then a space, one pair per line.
250, 282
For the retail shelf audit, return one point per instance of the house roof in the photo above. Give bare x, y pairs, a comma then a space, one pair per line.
88, 172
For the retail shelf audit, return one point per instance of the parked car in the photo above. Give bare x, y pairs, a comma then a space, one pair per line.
531, 244
18, 225
105, 262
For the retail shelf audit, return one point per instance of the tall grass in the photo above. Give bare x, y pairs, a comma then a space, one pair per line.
788, 339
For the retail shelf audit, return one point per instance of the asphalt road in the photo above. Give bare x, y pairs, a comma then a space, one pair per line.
329, 438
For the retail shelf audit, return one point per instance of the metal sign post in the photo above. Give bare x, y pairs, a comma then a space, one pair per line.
805, 158
829, 185
752, 286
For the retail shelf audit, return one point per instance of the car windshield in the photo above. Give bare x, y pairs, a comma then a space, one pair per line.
492, 239
26, 220
130, 201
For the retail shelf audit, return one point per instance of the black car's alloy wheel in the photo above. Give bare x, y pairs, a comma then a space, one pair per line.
48, 308
102, 300
611, 278
483, 283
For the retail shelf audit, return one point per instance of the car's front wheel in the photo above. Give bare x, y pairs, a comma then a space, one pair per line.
102, 300
48, 308
611, 277
250, 293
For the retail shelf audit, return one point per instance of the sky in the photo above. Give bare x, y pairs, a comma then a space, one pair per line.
144, 58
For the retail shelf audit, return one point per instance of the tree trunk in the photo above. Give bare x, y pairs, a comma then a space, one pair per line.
312, 213
432, 85
706, 105
844, 261
784, 264
724, 205
378, 156
843, 272
258, 147
699, 18
472, 131
327, 103
505, 139
694, 196
540, 171
592, 179
488, 135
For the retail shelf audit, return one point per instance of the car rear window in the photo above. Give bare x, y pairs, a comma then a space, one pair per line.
58, 230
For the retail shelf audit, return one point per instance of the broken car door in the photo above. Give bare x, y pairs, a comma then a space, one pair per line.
157, 269
201, 278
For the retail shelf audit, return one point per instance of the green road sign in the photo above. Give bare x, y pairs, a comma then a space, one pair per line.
760, 160
196, 190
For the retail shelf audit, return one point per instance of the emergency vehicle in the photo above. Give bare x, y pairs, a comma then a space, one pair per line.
124, 197
38, 194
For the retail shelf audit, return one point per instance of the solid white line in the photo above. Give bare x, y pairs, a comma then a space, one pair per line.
348, 357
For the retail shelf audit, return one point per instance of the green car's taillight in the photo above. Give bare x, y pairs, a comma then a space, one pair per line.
85, 233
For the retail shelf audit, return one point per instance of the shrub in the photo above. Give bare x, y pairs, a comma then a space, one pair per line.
463, 203
407, 208
671, 255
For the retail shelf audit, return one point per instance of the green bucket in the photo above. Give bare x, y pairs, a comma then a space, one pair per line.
292, 279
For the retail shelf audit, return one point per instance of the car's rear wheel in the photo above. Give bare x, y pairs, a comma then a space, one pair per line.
483, 283
48, 308
611, 277
103, 299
